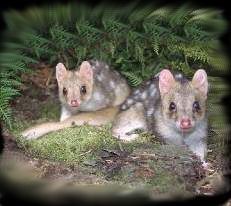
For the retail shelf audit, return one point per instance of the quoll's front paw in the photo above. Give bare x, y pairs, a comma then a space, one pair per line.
128, 138
124, 136
30, 134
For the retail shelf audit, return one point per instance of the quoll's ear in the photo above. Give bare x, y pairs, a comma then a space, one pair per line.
166, 81
61, 72
85, 71
200, 81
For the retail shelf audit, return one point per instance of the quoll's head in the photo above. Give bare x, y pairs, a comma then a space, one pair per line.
183, 103
75, 87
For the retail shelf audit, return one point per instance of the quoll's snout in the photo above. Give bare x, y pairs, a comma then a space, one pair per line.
74, 103
185, 123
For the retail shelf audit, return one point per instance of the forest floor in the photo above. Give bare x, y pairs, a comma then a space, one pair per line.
86, 155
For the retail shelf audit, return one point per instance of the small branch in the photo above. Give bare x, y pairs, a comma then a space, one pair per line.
89, 151
49, 78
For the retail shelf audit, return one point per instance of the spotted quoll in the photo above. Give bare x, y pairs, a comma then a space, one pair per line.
92, 87
89, 95
171, 107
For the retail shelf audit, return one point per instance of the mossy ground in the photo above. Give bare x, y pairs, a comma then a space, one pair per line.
83, 146
72, 145
144, 163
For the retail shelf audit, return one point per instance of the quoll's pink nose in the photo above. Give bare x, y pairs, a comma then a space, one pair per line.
185, 123
74, 103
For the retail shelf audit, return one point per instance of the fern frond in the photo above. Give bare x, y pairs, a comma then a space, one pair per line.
133, 79
6, 94
13, 57
147, 38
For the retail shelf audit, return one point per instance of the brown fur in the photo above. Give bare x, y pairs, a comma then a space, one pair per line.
74, 80
97, 118
104, 87
183, 95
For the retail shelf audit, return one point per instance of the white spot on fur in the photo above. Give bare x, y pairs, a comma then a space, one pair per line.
150, 111
123, 106
129, 101
144, 95
99, 78
112, 84
179, 76
121, 92
102, 75
153, 86
148, 82
152, 92
137, 91
98, 96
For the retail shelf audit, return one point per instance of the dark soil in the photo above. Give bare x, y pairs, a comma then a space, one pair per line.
28, 106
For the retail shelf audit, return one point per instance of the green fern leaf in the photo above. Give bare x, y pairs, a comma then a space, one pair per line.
133, 79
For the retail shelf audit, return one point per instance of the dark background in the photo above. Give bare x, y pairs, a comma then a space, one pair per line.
8, 198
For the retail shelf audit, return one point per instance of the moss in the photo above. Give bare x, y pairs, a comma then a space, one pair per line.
156, 175
165, 182
72, 145
83, 144
18, 125
50, 111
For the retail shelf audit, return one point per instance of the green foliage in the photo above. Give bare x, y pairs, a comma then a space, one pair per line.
74, 145
11, 65
134, 80
6, 94
138, 41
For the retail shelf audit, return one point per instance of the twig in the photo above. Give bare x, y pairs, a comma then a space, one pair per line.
49, 78
149, 155
85, 153
111, 152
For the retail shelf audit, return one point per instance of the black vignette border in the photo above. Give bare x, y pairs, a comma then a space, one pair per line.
9, 197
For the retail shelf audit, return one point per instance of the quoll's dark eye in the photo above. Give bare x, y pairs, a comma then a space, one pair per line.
83, 90
172, 107
196, 106
64, 91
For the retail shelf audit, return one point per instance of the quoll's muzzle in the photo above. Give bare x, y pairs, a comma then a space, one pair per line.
74, 103
185, 123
